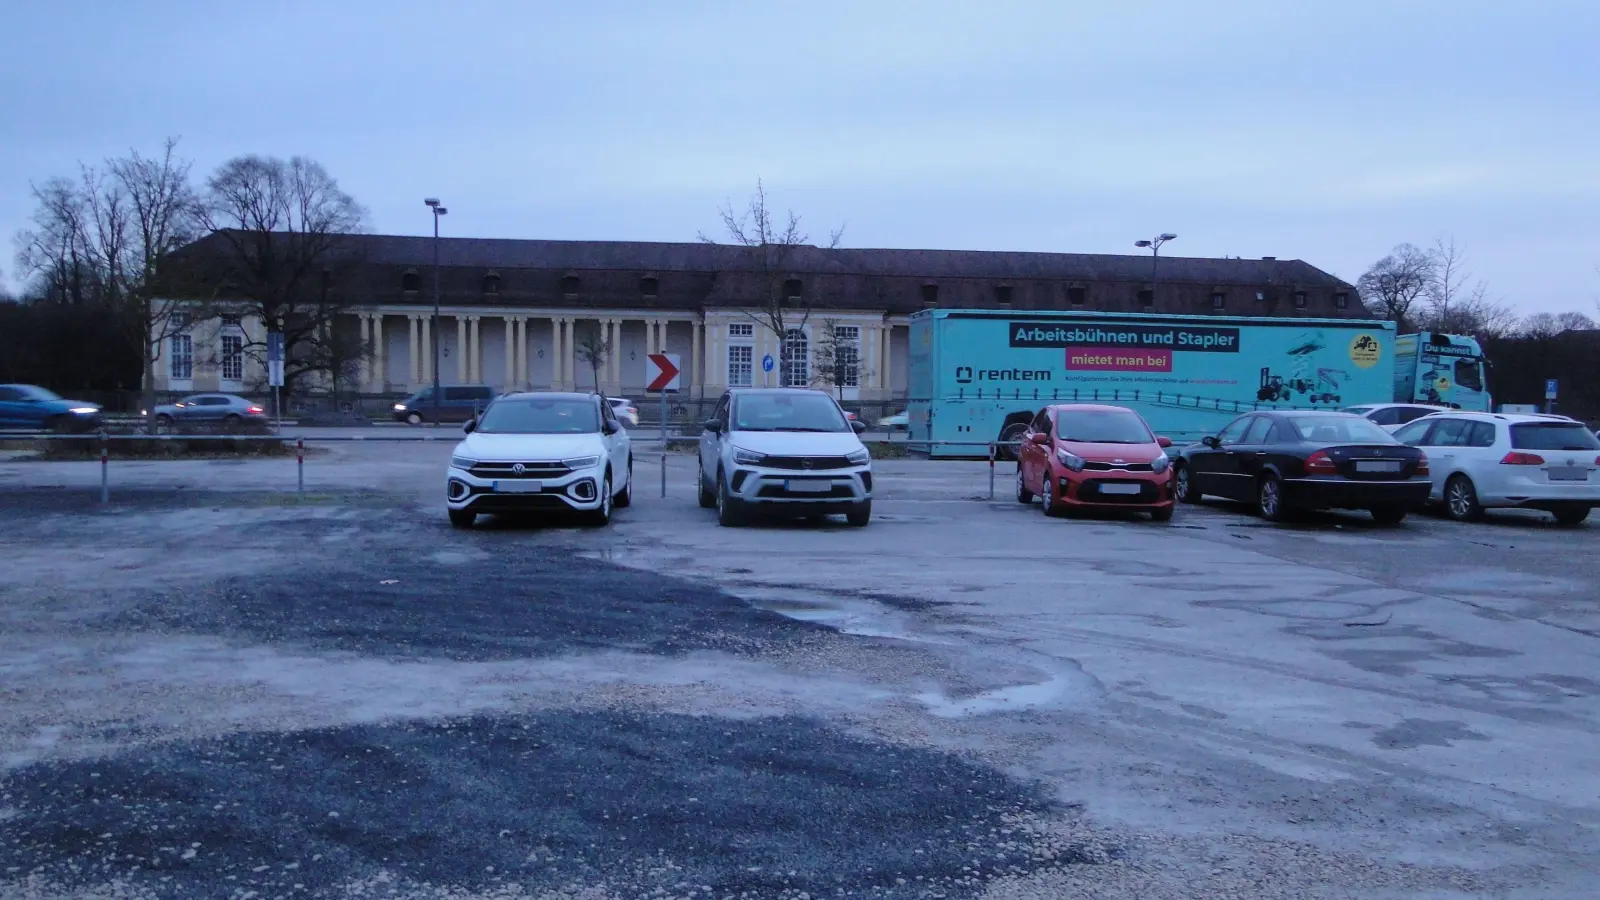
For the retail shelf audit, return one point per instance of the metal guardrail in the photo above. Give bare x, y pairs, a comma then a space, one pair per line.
104, 440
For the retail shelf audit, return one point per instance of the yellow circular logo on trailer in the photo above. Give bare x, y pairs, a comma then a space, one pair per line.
1365, 350
1443, 384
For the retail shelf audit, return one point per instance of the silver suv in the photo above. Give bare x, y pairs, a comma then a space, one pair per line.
788, 451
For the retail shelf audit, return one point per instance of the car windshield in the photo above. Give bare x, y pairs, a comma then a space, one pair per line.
32, 392
1358, 410
541, 415
1339, 430
1102, 426
799, 411
1552, 436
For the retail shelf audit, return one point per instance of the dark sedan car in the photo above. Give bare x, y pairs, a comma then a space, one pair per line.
1286, 461
30, 407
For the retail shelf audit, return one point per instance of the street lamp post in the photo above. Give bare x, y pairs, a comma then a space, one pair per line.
438, 211
1155, 254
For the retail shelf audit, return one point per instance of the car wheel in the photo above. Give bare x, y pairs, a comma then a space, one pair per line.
163, 425
1010, 434
1461, 499
1571, 516
708, 494
1047, 500
727, 504
860, 516
1269, 500
1388, 515
463, 518
1023, 494
232, 424
1163, 514
602, 516
1181, 488
414, 418
56, 425
624, 497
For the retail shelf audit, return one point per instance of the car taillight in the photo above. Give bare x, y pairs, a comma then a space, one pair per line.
1422, 463
1321, 463
1515, 458
255, 410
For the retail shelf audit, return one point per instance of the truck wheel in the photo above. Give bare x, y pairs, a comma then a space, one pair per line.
1009, 435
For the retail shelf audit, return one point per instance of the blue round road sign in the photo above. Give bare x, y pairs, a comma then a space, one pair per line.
766, 363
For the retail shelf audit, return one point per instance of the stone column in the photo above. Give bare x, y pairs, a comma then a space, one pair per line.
555, 353
888, 359
364, 369
697, 329
511, 353
411, 348
380, 363
613, 362
565, 360
461, 349
523, 382
425, 348
475, 348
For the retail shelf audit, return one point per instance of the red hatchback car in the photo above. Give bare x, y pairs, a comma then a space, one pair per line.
1085, 456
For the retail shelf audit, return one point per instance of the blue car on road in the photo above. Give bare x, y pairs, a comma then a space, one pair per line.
28, 407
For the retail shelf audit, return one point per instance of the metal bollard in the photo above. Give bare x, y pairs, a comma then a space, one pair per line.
991, 470
663, 470
300, 462
105, 467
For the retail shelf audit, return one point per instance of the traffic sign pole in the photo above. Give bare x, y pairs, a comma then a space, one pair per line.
661, 375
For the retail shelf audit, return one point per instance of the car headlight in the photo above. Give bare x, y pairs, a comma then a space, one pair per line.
859, 457
83, 410
462, 462
1071, 460
1160, 463
399, 407
748, 457
581, 462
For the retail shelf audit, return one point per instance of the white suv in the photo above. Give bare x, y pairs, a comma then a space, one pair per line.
786, 450
541, 452
1499, 460
1390, 416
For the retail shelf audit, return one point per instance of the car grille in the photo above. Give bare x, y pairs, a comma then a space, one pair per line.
837, 492
507, 470
1118, 467
805, 462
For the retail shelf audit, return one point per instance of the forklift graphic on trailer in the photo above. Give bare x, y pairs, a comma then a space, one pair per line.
1318, 386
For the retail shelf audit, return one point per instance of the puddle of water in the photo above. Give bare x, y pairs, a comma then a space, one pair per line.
863, 618
1013, 698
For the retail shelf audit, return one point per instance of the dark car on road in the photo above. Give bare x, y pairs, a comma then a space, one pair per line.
460, 403
28, 407
226, 411
1283, 461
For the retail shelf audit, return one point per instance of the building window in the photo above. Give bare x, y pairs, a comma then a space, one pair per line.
1261, 296
847, 356
1219, 300
410, 282
491, 283
1077, 296
930, 295
1341, 300
1147, 297
741, 330
1299, 299
791, 289
797, 362
182, 357
571, 285
741, 365
1002, 294
649, 287
232, 321
232, 357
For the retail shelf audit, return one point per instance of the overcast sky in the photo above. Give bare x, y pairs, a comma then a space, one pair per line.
1327, 131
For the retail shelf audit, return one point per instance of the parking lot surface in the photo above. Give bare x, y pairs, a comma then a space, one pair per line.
218, 686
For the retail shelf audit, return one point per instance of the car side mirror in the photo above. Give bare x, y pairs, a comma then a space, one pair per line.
610, 427
1211, 441
858, 426
470, 426
712, 426
1039, 438
1163, 442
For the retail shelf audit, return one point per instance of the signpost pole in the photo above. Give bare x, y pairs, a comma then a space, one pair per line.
1550, 387
663, 443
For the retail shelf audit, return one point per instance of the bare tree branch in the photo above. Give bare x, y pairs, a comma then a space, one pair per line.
1394, 284
594, 350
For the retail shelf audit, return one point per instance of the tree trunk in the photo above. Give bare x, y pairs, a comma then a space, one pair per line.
147, 385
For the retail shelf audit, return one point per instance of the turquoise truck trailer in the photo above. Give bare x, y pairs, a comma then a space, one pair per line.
978, 376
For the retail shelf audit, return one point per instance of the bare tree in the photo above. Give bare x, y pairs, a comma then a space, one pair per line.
104, 238
1547, 325
771, 247
594, 350
279, 249
1395, 284
837, 358
1458, 304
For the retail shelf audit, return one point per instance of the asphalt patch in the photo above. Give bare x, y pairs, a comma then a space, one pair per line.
513, 603
542, 801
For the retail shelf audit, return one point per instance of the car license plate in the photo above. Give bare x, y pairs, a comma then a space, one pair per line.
1568, 473
520, 486
1119, 488
1377, 465
807, 487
